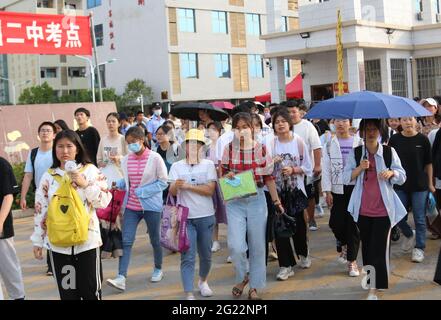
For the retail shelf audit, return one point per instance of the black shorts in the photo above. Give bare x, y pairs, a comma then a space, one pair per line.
313, 191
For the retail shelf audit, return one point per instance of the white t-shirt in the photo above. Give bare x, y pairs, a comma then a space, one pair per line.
309, 134
289, 152
199, 206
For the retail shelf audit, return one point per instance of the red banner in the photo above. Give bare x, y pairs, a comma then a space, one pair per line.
44, 34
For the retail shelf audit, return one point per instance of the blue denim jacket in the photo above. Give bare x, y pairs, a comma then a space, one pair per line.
392, 202
149, 194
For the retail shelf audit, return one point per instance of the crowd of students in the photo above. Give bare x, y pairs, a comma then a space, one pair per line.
369, 174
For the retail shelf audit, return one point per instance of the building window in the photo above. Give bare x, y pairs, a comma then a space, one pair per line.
253, 24
438, 6
189, 65
284, 24
373, 75
222, 65
93, 3
399, 77
102, 69
287, 68
419, 5
99, 35
77, 72
45, 4
48, 73
219, 22
429, 76
255, 66
186, 20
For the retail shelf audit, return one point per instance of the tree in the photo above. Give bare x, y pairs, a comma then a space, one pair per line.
109, 94
133, 90
38, 95
82, 95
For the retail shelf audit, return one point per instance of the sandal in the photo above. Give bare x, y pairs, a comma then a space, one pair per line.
252, 295
237, 291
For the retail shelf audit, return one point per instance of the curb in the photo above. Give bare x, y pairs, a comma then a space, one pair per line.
20, 214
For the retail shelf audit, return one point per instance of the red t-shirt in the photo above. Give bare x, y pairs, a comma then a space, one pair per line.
372, 204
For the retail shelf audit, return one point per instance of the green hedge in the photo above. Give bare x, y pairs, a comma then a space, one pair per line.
19, 173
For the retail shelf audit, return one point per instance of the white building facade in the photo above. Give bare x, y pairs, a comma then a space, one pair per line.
189, 50
390, 46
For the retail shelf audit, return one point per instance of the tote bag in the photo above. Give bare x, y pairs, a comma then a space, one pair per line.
174, 226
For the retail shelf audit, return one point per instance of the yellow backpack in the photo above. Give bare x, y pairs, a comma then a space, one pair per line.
67, 218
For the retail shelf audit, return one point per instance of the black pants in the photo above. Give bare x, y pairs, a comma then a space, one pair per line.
342, 224
78, 277
285, 251
269, 222
437, 277
375, 249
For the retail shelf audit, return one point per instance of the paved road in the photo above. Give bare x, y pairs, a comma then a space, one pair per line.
326, 279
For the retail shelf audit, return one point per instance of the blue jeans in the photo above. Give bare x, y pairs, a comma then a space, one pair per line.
200, 233
247, 217
418, 202
130, 224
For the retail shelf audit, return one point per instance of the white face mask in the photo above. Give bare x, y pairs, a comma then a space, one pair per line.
332, 127
157, 112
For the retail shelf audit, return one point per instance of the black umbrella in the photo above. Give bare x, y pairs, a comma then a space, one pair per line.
190, 111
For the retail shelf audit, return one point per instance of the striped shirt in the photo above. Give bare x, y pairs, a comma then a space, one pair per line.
136, 165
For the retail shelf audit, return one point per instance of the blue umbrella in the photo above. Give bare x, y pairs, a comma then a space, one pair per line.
367, 105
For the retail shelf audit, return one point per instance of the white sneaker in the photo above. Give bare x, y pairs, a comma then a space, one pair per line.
372, 296
191, 297
215, 247
157, 275
313, 226
205, 289
118, 283
353, 269
284, 273
229, 260
319, 213
342, 258
305, 262
417, 255
408, 243
272, 254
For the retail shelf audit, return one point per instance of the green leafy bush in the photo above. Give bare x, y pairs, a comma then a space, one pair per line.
19, 173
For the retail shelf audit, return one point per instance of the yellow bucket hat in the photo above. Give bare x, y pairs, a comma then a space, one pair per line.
195, 135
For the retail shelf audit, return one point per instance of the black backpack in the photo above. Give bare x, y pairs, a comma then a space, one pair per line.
33, 157
387, 155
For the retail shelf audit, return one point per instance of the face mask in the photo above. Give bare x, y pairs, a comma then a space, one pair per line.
332, 127
158, 112
267, 115
134, 147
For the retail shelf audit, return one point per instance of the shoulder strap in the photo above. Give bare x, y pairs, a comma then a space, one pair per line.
357, 152
387, 156
34, 153
33, 156
55, 175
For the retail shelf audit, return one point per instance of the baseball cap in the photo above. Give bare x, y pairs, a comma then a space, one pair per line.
430, 101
